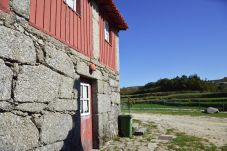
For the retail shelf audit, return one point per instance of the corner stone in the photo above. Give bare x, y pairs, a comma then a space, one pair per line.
17, 133
37, 84
16, 46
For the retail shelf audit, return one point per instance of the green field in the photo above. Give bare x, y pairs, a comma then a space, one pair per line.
176, 102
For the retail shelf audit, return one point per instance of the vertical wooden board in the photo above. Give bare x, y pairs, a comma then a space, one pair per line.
90, 31
75, 32
58, 18
71, 28
85, 27
40, 13
82, 26
47, 15
63, 21
67, 24
113, 54
100, 39
4, 5
79, 37
114, 51
53, 17
32, 11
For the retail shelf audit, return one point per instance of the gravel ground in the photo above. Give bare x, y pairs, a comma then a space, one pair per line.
210, 128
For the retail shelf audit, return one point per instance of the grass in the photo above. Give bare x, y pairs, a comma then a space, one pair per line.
178, 100
184, 142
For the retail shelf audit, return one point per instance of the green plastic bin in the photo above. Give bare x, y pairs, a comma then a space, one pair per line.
125, 125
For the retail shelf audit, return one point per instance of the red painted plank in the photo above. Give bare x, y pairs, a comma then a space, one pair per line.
40, 13
53, 17
33, 11
75, 22
4, 5
71, 28
90, 31
58, 18
47, 15
82, 26
63, 22
79, 33
67, 24
85, 27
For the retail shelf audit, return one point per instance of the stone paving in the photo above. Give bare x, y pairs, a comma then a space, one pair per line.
147, 142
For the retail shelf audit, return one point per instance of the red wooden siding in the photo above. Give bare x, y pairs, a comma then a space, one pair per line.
4, 5
55, 18
107, 50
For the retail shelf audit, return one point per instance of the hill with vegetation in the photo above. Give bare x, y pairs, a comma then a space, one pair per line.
185, 91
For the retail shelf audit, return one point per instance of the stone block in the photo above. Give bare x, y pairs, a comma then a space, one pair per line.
21, 7
113, 83
31, 107
115, 98
113, 114
17, 133
63, 105
16, 46
66, 88
99, 87
52, 147
6, 77
5, 106
102, 105
59, 60
83, 69
55, 127
36, 84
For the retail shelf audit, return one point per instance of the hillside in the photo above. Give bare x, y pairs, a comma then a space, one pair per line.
180, 92
217, 85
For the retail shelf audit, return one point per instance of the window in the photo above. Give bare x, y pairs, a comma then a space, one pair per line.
107, 31
74, 5
85, 99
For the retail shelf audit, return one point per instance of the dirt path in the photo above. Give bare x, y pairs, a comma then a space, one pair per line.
213, 129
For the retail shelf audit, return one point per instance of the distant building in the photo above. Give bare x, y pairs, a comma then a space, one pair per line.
59, 74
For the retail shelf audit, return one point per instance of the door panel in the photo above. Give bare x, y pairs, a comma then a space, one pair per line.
86, 116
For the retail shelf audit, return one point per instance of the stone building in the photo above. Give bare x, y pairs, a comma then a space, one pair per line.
59, 74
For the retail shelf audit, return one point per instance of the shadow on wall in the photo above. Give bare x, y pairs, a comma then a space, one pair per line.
73, 140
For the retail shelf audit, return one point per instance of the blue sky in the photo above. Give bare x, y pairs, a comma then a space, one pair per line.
169, 38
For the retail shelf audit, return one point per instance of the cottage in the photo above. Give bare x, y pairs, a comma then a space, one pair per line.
59, 74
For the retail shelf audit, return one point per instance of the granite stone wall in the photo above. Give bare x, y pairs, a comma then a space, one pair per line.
39, 79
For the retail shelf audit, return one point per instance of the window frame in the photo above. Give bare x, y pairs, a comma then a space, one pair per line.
84, 100
107, 31
76, 5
